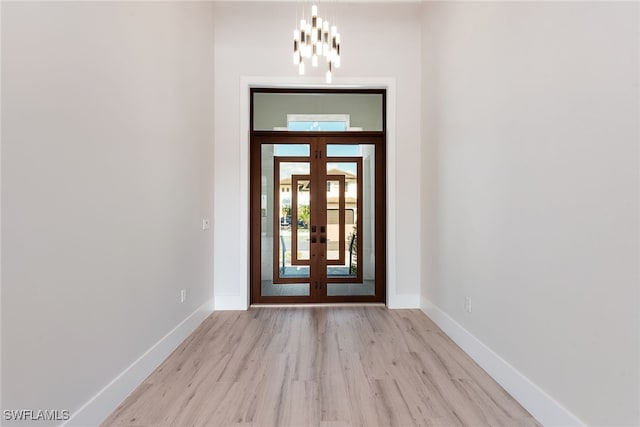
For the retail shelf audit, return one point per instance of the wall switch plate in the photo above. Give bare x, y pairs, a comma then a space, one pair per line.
183, 295
205, 224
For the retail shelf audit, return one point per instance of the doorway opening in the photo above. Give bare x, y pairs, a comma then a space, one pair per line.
317, 207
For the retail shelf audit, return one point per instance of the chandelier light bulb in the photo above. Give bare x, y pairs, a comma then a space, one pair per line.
328, 77
314, 16
301, 68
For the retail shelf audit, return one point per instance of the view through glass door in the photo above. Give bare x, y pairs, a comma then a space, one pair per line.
317, 230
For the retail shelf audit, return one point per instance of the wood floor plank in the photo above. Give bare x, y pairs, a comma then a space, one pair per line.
319, 366
360, 394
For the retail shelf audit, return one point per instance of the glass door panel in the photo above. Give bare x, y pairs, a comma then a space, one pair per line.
342, 215
335, 219
356, 275
282, 200
301, 215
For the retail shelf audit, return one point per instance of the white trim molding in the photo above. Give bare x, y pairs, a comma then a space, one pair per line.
93, 412
402, 301
539, 403
230, 302
247, 82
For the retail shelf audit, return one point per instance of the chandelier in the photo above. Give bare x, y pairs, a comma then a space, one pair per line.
314, 39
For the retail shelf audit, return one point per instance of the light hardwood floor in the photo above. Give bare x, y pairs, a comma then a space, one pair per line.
319, 366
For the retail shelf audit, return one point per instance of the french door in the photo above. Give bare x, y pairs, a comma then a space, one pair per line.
317, 217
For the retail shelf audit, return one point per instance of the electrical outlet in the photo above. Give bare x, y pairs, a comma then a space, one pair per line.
467, 304
183, 295
205, 224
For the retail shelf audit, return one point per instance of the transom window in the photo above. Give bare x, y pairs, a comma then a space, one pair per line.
317, 110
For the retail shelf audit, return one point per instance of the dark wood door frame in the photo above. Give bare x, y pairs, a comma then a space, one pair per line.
319, 140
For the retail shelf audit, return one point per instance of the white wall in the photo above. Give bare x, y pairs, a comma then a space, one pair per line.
107, 133
530, 191
264, 49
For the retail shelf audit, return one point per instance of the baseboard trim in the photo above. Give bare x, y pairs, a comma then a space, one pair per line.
93, 412
534, 399
230, 302
398, 301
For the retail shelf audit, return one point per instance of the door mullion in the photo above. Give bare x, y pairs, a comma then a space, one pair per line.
318, 191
